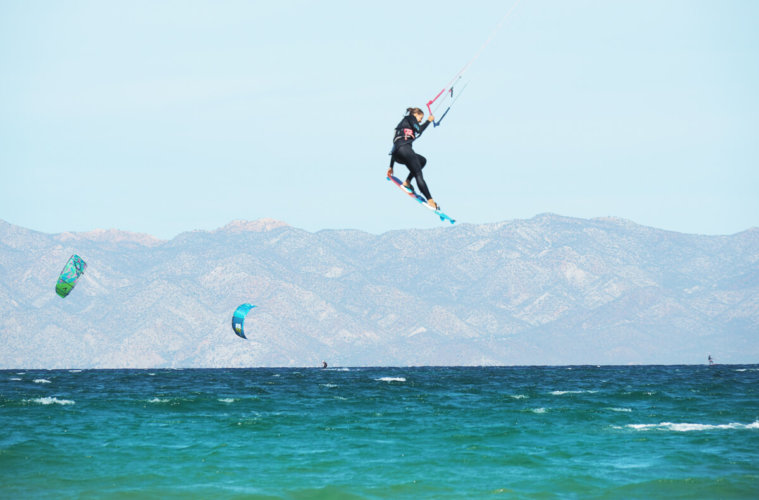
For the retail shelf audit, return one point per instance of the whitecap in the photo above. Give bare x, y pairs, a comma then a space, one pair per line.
158, 400
390, 379
50, 401
75, 371
689, 427
15, 378
642, 427
226, 400
561, 393
625, 410
538, 410
519, 396
42, 381
328, 386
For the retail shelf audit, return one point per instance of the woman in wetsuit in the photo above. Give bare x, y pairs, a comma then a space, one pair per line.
406, 132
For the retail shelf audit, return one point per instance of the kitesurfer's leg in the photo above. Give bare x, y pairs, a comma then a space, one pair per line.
415, 171
422, 163
414, 162
402, 155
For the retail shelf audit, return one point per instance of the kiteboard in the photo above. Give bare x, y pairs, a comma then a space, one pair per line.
418, 198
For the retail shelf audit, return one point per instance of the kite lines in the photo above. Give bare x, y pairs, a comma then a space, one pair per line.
448, 90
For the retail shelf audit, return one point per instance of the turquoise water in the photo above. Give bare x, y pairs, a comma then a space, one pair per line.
521, 432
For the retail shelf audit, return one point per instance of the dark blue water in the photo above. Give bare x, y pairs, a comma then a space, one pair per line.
522, 432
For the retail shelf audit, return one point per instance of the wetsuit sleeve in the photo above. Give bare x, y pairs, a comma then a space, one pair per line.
423, 127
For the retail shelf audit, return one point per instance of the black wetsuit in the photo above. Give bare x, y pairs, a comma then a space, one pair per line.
405, 133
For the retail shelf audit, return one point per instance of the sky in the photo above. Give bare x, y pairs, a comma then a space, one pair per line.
165, 117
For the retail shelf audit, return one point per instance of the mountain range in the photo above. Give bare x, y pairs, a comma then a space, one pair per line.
550, 290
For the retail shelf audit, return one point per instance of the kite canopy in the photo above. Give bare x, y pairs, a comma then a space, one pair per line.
70, 274
238, 319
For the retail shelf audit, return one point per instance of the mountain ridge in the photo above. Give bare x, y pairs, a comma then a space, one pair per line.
548, 290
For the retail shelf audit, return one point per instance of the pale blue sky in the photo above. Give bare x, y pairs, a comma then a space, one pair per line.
163, 117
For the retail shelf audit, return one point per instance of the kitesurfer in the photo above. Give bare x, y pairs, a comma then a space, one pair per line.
324, 364
409, 129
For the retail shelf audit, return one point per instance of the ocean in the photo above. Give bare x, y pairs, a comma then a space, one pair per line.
374, 433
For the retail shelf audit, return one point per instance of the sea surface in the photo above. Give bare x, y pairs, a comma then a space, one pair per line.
352, 433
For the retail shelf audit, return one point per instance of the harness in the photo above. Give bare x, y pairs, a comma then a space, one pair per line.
405, 134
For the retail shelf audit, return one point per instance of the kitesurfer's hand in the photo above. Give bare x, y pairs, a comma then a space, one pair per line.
430, 118
389, 172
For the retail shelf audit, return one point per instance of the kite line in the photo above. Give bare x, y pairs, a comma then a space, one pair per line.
448, 89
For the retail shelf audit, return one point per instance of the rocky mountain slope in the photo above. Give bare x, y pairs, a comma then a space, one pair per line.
549, 290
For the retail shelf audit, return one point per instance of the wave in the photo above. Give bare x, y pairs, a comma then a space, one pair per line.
328, 386
41, 381
16, 379
159, 400
227, 400
519, 396
50, 401
561, 393
390, 379
686, 427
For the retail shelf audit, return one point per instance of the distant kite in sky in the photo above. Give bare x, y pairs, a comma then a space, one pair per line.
238, 319
70, 274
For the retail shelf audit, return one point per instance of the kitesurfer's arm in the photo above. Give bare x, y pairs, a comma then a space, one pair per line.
426, 124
